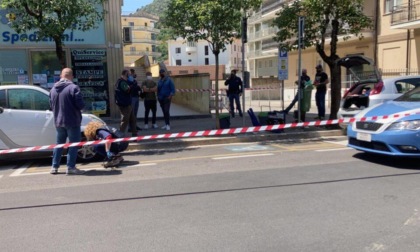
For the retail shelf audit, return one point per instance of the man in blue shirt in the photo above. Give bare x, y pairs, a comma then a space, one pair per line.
166, 89
234, 91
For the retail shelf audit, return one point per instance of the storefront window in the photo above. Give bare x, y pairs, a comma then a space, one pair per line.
13, 67
46, 68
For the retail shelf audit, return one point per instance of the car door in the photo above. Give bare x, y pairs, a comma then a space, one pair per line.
26, 119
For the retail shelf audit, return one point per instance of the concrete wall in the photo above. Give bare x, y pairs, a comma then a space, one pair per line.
197, 101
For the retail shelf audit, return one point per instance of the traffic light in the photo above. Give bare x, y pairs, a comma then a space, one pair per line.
244, 25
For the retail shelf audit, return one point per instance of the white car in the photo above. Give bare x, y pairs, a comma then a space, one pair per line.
26, 120
369, 88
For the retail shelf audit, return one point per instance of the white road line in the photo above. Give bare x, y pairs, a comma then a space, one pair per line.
139, 165
18, 172
243, 156
337, 149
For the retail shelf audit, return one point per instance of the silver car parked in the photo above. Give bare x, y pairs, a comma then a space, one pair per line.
370, 89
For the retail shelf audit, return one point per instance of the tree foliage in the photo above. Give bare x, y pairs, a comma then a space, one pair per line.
215, 21
157, 7
325, 21
50, 18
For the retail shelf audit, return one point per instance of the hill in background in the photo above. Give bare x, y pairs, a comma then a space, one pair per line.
157, 7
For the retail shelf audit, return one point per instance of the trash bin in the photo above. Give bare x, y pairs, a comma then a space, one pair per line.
262, 118
224, 121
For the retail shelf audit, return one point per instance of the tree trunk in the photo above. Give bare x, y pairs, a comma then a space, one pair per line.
216, 55
335, 89
59, 51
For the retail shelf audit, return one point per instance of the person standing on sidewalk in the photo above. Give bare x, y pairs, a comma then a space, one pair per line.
149, 88
123, 100
234, 91
320, 82
135, 91
166, 89
303, 79
66, 102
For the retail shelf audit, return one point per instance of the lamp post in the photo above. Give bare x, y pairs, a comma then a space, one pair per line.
244, 76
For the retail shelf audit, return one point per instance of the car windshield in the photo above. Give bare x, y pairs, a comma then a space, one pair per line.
410, 96
364, 73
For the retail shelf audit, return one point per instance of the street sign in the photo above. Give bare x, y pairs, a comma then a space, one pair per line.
283, 66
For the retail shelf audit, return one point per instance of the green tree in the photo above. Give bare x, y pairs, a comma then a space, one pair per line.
216, 21
50, 18
324, 19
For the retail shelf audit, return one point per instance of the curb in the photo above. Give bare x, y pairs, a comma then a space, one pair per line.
240, 138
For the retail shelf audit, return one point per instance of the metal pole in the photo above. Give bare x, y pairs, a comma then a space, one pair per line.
244, 40
300, 90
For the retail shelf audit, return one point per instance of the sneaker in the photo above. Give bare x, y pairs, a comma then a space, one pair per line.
146, 127
155, 126
168, 127
75, 171
54, 170
163, 127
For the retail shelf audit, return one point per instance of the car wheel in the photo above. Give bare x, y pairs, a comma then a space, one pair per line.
87, 153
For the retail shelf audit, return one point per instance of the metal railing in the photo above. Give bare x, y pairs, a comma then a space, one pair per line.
136, 53
144, 28
405, 13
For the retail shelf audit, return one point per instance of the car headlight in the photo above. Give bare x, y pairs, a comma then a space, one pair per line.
405, 125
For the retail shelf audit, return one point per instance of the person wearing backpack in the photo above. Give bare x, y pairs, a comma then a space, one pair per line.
234, 91
110, 151
123, 100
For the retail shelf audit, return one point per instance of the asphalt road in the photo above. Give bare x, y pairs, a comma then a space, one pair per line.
279, 196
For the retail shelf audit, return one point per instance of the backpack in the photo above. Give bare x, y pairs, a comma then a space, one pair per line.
116, 147
121, 98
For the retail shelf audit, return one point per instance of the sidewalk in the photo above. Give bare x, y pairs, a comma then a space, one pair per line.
193, 123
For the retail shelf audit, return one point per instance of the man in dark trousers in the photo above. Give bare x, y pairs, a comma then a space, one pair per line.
66, 102
123, 100
234, 91
320, 82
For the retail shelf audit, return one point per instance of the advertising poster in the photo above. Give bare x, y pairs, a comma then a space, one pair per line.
89, 66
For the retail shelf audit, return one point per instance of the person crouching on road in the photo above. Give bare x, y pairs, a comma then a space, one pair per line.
110, 151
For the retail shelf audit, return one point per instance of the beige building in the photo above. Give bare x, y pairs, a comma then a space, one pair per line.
392, 43
140, 38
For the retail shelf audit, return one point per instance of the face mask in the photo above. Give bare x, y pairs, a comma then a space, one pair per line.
149, 77
130, 78
162, 75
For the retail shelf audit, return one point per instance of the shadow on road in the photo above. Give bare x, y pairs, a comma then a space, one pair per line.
396, 162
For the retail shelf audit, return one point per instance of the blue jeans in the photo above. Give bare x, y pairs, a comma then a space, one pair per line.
74, 136
320, 102
235, 97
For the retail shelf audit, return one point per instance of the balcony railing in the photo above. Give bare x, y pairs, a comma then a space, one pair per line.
266, 32
144, 28
146, 41
405, 13
138, 53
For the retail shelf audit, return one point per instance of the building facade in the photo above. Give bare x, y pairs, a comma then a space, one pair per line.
392, 43
140, 37
189, 56
95, 57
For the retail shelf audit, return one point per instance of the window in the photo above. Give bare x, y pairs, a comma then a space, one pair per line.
153, 36
390, 5
13, 64
270, 63
234, 61
234, 48
206, 50
145, 24
178, 50
28, 100
147, 49
131, 24
206, 61
178, 63
153, 48
3, 98
189, 60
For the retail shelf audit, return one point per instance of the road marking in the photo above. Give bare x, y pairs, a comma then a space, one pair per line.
337, 149
244, 156
247, 148
18, 172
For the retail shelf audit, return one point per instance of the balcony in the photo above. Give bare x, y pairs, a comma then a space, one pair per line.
268, 32
141, 53
145, 28
145, 41
406, 16
191, 47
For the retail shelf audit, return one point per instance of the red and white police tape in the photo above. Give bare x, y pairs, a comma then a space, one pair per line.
218, 132
192, 90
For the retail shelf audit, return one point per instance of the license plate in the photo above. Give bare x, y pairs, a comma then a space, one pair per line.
364, 137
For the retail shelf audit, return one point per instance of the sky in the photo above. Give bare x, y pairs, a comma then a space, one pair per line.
133, 5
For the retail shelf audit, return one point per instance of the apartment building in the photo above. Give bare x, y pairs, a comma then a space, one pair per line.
140, 37
197, 57
392, 43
